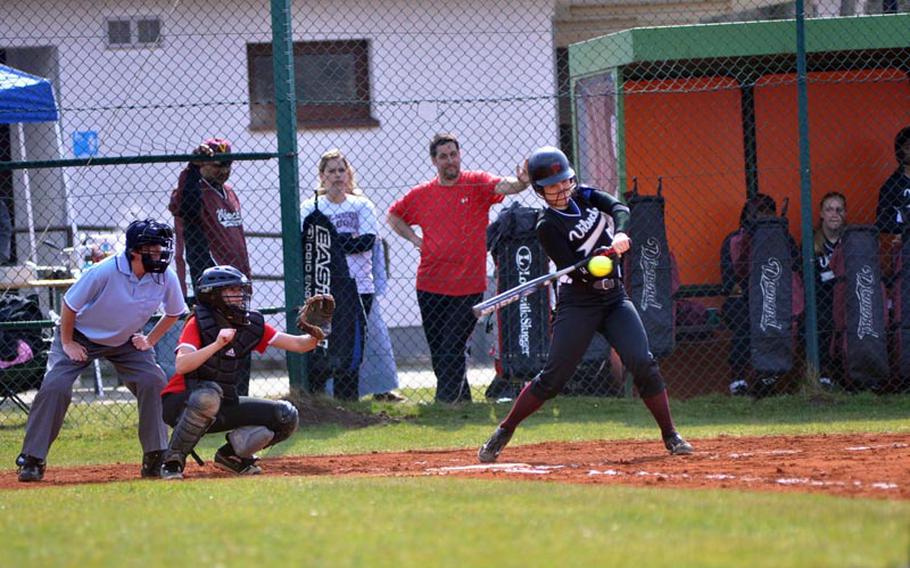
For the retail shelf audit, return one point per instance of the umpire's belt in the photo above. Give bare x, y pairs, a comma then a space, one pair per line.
604, 284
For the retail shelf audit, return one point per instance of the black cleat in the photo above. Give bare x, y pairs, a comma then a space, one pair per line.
677, 446
494, 446
226, 459
151, 464
30, 468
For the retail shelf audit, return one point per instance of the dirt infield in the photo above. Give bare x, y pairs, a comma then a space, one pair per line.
855, 465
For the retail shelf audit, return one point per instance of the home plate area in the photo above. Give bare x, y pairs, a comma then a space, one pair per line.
850, 465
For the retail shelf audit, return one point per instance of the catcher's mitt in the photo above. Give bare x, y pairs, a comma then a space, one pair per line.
315, 316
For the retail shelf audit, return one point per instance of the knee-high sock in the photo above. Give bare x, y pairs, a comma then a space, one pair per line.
525, 405
659, 405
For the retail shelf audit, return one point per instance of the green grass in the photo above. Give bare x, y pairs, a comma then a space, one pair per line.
323, 521
441, 522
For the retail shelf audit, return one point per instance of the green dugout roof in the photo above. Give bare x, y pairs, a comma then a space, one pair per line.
740, 39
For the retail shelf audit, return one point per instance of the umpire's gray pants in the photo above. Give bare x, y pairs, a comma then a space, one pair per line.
136, 369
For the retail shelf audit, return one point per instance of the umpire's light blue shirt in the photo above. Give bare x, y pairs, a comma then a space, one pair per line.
112, 305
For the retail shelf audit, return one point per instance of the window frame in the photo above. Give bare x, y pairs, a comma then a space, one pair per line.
133, 22
313, 115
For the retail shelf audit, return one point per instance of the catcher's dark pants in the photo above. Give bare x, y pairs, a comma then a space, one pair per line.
246, 412
580, 313
448, 322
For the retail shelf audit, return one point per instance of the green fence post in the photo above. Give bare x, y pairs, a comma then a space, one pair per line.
286, 126
805, 183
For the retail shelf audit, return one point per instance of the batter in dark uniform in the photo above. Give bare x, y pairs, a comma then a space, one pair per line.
571, 228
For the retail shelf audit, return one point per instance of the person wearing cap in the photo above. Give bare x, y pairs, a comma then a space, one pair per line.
208, 222
209, 230
102, 314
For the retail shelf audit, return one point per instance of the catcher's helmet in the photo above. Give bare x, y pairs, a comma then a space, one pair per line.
151, 232
209, 291
548, 165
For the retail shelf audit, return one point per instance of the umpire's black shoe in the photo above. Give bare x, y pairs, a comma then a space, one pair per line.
30, 468
172, 469
151, 464
677, 446
494, 446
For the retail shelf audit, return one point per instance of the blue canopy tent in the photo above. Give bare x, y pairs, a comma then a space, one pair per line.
25, 98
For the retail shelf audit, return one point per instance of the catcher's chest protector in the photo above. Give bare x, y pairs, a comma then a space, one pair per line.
771, 296
648, 272
226, 367
860, 315
523, 326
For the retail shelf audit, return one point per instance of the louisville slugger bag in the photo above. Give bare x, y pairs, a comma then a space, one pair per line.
325, 271
773, 287
524, 325
860, 312
647, 269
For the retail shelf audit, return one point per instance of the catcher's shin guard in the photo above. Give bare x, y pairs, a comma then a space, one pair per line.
247, 440
201, 407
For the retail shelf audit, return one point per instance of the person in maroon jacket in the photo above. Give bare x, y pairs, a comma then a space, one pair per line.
208, 229
209, 225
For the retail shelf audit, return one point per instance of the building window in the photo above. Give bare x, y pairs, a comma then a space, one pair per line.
137, 31
332, 80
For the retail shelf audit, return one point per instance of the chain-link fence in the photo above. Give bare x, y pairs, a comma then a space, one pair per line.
691, 113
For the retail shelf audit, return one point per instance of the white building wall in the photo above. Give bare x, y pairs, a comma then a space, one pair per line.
480, 69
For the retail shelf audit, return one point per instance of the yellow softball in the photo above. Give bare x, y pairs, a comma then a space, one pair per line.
600, 266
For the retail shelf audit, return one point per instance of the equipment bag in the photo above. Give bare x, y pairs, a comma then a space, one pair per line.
524, 325
325, 270
648, 270
29, 374
860, 312
773, 288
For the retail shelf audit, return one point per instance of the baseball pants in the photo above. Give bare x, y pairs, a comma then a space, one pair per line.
137, 370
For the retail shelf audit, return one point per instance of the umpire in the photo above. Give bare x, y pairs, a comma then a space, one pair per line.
100, 318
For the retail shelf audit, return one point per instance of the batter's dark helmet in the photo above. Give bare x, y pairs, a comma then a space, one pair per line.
151, 232
209, 292
548, 165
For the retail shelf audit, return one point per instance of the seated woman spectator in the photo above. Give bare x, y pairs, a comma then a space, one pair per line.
832, 220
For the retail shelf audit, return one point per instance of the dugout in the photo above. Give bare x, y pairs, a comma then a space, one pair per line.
712, 109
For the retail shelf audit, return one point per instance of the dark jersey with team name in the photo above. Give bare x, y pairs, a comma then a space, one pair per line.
571, 234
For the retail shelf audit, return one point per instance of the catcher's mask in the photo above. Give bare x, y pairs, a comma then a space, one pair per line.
548, 165
150, 232
212, 291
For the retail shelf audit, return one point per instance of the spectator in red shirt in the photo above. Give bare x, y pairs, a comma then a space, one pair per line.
452, 211
202, 397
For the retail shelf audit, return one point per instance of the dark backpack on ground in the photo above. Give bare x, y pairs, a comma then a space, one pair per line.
24, 376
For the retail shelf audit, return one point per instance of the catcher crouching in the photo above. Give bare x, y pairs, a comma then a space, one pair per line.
214, 346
